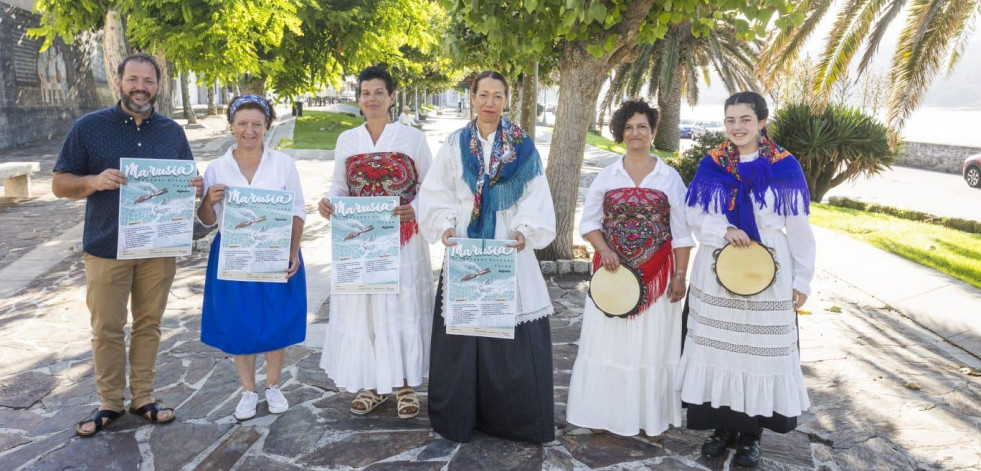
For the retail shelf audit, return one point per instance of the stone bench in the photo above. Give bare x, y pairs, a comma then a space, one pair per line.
17, 178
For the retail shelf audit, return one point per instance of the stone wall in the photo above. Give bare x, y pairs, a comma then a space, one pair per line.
41, 93
936, 157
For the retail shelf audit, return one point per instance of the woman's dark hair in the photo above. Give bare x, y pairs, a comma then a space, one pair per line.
754, 100
491, 75
251, 102
376, 72
626, 111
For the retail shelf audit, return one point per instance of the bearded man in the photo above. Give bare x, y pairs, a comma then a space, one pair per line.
88, 167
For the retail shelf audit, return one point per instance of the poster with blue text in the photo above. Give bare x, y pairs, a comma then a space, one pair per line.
156, 208
364, 245
480, 288
256, 229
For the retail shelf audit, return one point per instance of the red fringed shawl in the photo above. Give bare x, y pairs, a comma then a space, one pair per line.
637, 224
385, 174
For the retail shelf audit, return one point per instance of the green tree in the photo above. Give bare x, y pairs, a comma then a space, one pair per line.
344, 36
833, 145
216, 39
292, 46
590, 38
930, 44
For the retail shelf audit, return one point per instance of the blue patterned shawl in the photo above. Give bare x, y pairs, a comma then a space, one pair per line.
514, 163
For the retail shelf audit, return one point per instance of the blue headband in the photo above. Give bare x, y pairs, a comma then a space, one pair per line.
249, 99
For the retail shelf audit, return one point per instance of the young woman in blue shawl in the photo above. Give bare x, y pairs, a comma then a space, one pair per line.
487, 183
740, 368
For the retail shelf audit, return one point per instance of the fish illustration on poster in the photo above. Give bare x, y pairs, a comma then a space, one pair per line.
481, 288
257, 226
365, 249
156, 208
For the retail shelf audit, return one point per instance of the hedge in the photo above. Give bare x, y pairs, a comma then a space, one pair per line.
966, 225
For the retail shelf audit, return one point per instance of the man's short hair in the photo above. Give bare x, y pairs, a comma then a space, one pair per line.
138, 57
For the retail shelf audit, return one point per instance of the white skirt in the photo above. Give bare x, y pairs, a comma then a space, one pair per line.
741, 352
622, 380
379, 341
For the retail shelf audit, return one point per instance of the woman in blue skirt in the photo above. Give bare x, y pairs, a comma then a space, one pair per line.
245, 318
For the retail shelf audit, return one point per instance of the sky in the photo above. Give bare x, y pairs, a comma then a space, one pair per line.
950, 112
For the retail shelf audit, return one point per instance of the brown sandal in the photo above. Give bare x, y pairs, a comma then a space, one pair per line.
369, 400
406, 399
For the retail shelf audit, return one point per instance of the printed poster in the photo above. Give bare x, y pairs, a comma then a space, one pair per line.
156, 208
481, 288
255, 235
364, 245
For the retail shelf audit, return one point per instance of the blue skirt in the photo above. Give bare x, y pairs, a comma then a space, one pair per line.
246, 317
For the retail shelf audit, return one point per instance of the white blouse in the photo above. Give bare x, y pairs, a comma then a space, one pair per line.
446, 201
276, 172
663, 178
394, 138
710, 230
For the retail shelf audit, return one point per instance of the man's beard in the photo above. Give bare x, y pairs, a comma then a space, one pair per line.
135, 108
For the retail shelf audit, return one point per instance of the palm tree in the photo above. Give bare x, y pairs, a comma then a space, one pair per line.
931, 44
834, 145
673, 67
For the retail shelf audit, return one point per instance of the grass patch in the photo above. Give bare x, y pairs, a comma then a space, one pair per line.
955, 253
599, 141
308, 134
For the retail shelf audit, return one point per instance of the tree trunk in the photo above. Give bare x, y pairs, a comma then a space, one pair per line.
186, 99
514, 107
255, 84
114, 46
668, 135
165, 92
212, 109
529, 102
582, 75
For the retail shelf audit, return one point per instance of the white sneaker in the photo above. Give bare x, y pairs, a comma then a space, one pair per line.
275, 400
246, 406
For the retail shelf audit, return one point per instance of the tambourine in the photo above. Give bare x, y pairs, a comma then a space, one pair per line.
617, 294
745, 271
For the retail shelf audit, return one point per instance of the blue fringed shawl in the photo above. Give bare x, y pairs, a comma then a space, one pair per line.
514, 163
726, 184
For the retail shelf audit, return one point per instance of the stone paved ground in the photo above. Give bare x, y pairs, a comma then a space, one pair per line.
886, 395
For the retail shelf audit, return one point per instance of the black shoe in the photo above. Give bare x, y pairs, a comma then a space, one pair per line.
718, 442
748, 450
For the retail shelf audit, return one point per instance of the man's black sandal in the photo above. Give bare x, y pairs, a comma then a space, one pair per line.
153, 408
96, 418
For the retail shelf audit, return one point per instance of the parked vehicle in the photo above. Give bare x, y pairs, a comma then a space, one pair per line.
712, 126
690, 129
972, 170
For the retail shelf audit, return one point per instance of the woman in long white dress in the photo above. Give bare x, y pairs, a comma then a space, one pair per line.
740, 371
634, 214
377, 343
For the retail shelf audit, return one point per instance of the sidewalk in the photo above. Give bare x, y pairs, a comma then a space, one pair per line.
886, 394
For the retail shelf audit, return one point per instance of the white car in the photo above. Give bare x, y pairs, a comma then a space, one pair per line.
712, 126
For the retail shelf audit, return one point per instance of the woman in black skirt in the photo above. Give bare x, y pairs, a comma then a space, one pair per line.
487, 183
